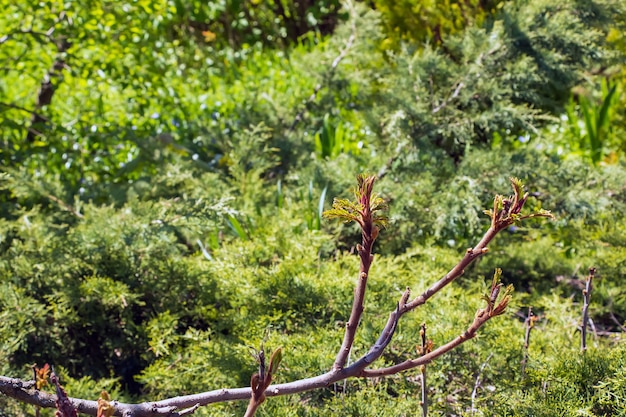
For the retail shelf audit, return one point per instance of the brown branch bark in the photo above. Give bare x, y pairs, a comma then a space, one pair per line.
46, 90
470, 256
48, 85
365, 252
363, 211
429, 357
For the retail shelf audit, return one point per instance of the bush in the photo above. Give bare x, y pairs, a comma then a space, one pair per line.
165, 218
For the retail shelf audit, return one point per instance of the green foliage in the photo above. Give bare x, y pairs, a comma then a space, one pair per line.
433, 21
106, 268
125, 103
334, 140
591, 128
236, 23
509, 77
163, 216
571, 385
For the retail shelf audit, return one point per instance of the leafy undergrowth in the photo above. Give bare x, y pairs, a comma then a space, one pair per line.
188, 323
165, 220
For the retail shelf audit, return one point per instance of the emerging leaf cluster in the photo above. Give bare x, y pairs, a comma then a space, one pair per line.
507, 211
366, 207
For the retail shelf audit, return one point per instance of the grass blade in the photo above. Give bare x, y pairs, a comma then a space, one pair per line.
236, 227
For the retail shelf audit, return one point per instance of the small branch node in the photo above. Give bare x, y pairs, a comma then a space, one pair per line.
189, 410
164, 410
405, 298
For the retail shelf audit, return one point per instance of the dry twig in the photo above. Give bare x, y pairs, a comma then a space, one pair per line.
586, 301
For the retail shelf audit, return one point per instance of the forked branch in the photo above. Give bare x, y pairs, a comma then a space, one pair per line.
366, 212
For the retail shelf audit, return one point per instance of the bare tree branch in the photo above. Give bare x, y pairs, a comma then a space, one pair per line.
454, 95
65, 206
506, 211
616, 321
468, 334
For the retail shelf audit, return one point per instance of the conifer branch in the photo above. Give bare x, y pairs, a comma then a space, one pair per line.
65, 206
454, 95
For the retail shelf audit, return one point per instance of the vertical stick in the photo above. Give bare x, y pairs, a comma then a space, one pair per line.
478, 383
37, 408
528, 324
424, 350
586, 300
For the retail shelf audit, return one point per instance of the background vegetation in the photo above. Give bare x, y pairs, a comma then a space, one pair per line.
165, 165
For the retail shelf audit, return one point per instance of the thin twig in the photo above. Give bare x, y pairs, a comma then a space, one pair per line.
616, 321
468, 334
529, 323
20, 108
425, 348
592, 326
454, 95
586, 300
42, 35
189, 410
261, 380
385, 168
65, 206
478, 383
